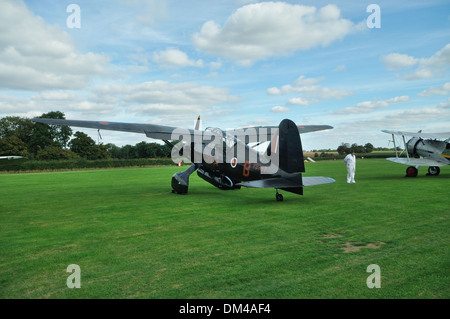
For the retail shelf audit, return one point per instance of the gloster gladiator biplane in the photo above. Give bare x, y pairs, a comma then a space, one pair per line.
422, 149
226, 160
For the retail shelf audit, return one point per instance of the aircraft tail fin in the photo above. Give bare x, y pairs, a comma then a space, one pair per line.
288, 145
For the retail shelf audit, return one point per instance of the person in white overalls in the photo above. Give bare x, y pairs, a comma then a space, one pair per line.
350, 161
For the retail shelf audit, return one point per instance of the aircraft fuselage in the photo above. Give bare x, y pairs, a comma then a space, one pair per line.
432, 149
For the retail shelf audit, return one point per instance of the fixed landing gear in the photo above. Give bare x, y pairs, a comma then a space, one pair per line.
411, 171
434, 170
180, 180
279, 197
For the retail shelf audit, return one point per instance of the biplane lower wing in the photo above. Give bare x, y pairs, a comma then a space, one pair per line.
417, 161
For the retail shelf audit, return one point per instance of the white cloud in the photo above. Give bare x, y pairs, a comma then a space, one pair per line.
53, 100
215, 65
35, 55
279, 109
161, 97
262, 30
444, 90
432, 67
439, 59
367, 128
395, 61
149, 99
444, 105
309, 89
273, 91
149, 10
420, 73
175, 58
301, 101
15, 105
369, 106
54, 96
339, 68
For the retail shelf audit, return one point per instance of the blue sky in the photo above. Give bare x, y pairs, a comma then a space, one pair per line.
236, 63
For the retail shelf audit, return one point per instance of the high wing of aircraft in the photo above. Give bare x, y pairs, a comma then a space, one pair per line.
225, 159
422, 149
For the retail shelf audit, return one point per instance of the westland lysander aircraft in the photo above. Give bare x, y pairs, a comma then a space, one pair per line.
224, 158
422, 149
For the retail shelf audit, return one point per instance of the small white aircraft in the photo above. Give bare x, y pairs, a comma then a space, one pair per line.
422, 149
12, 160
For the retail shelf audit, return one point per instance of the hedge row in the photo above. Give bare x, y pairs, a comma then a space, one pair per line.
328, 156
83, 163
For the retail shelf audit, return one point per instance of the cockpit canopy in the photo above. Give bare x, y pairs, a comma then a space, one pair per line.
229, 140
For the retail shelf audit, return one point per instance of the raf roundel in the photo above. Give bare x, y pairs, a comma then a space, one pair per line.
233, 162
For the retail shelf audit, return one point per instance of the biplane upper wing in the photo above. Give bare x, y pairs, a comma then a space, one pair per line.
444, 135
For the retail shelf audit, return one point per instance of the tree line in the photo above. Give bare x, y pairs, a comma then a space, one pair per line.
21, 137
346, 148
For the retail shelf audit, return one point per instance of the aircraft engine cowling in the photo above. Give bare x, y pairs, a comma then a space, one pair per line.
418, 147
219, 180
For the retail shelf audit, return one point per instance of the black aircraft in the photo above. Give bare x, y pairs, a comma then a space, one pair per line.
225, 158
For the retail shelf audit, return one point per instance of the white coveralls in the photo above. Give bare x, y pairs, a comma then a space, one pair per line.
350, 160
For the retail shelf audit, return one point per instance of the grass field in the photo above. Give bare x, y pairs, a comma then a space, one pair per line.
132, 238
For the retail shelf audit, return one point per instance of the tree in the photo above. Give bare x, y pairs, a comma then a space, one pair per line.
113, 150
344, 148
85, 147
44, 135
16, 126
128, 152
55, 153
12, 145
368, 148
146, 150
164, 150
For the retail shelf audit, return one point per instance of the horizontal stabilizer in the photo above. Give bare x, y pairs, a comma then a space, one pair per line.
417, 161
278, 182
317, 180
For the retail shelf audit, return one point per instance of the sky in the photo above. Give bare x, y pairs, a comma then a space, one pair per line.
359, 66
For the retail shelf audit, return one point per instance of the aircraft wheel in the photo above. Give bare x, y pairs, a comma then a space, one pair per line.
434, 170
411, 171
279, 197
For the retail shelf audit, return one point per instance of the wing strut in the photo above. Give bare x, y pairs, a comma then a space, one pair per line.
395, 146
404, 143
